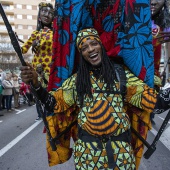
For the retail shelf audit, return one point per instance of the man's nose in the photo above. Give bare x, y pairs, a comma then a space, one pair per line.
90, 48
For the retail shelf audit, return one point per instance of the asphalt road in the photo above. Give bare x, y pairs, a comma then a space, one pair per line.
22, 143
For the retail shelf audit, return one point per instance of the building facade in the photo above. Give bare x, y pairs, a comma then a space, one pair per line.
22, 15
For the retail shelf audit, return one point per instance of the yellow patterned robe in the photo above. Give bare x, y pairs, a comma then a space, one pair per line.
44, 50
140, 120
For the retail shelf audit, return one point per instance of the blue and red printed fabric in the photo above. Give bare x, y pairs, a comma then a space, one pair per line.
124, 27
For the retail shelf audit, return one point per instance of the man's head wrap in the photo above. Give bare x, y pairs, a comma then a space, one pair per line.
86, 34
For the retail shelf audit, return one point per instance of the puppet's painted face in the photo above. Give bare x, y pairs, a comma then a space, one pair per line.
92, 52
46, 15
156, 6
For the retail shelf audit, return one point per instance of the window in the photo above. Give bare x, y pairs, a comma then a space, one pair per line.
20, 27
6, 6
29, 16
4, 47
20, 37
3, 27
29, 7
30, 27
19, 16
10, 17
19, 6
4, 38
11, 7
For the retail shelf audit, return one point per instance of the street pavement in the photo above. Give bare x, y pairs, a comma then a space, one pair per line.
22, 143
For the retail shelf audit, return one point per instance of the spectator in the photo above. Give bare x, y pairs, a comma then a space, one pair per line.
16, 89
1, 89
3, 74
25, 91
7, 92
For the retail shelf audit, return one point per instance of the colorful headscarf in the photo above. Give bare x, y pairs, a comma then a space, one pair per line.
86, 34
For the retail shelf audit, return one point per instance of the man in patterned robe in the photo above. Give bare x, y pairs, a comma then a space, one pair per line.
104, 140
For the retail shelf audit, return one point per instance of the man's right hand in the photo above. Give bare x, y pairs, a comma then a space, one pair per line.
29, 75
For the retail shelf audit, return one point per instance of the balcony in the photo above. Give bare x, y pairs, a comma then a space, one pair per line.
2, 22
9, 11
7, 2
3, 32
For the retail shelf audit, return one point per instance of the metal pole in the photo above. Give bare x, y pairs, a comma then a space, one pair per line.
168, 55
166, 65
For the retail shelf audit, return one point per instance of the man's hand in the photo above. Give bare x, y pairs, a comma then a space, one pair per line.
29, 75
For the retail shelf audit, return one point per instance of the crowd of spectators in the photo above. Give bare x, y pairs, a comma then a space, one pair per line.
13, 92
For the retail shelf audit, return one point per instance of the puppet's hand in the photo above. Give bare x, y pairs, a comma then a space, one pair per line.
35, 46
163, 37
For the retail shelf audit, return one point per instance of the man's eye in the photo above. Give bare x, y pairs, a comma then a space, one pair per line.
94, 43
83, 49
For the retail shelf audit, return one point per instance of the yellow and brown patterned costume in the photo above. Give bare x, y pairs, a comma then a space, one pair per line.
44, 52
103, 115
140, 121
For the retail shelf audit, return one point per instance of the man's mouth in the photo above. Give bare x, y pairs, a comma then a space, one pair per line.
94, 55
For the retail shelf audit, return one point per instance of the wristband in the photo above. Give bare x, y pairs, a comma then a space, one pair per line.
36, 88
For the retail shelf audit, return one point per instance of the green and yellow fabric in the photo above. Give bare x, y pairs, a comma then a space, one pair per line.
92, 115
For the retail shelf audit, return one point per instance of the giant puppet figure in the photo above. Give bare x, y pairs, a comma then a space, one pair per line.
160, 26
161, 34
141, 121
124, 27
41, 39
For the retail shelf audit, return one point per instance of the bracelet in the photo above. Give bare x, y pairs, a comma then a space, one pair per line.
36, 89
